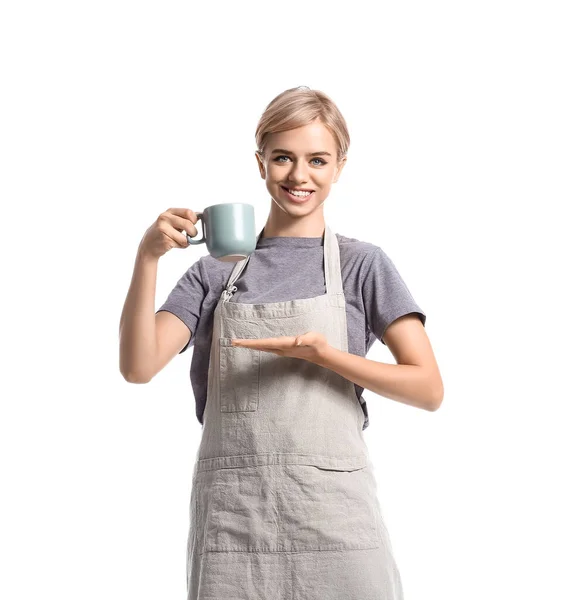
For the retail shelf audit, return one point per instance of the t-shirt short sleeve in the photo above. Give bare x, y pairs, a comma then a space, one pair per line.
385, 295
185, 300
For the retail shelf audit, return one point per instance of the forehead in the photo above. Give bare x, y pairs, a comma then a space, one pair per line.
308, 138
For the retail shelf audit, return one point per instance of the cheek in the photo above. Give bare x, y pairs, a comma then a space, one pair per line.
324, 183
324, 177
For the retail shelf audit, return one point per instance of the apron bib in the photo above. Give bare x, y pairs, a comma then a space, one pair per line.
284, 501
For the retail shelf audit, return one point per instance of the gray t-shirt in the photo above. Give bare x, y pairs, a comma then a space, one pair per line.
291, 268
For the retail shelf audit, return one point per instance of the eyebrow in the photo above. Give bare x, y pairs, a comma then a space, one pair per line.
283, 151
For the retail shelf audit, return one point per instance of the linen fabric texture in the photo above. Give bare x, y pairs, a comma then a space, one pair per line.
284, 501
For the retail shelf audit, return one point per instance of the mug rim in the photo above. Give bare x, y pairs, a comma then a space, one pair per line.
229, 204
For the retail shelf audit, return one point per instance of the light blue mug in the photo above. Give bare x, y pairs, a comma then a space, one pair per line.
228, 231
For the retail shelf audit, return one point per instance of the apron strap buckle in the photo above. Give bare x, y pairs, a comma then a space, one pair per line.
228, 292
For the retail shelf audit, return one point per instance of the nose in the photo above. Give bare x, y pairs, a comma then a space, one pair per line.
298, 173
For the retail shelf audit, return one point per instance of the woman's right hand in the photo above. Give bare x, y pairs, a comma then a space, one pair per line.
168, 231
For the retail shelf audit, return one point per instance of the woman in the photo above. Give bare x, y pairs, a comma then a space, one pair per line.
283, 502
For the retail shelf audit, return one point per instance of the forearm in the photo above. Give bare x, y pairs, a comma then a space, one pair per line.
409, 384
137, 345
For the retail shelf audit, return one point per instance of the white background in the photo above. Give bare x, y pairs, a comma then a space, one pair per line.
460, 168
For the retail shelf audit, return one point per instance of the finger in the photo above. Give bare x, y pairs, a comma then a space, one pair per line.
179, 239
186, 213
261, 348
184, 225
175, 227
277, 343
255, 344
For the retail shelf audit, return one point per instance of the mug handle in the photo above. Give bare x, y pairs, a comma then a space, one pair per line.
201, 241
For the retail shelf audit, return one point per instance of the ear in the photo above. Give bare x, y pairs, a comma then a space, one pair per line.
261, 165
339, 169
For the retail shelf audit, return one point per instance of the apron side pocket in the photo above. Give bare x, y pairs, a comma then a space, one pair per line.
238, 377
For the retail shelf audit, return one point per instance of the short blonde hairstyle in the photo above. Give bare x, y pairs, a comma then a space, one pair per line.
297, 107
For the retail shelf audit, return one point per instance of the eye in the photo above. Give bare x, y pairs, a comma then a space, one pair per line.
277, 159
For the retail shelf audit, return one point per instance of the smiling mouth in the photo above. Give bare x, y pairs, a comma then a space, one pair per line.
298, 197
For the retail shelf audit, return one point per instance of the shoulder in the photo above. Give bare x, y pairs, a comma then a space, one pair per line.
212, 272
353, 250
369, 263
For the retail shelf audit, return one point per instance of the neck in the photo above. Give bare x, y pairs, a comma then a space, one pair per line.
281, 224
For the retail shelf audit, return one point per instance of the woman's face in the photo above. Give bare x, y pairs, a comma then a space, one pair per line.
288, 164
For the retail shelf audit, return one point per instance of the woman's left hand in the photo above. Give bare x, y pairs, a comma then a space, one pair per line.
308, 346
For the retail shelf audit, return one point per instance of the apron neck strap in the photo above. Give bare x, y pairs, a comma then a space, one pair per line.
332, 273
239, 268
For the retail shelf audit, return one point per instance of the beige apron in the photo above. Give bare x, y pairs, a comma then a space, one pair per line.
284, 502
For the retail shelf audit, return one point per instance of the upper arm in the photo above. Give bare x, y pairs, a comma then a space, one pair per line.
408, 342
171, 335
177, 319
397, 320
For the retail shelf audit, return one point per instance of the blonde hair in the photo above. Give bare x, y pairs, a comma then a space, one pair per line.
297, 107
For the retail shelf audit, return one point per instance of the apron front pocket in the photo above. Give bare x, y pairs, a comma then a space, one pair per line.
238, 377
290, 508
327, 509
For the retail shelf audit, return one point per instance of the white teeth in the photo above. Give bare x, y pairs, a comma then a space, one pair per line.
295, 193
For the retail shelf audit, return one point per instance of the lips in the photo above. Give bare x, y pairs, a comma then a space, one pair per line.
296, 189
297, 199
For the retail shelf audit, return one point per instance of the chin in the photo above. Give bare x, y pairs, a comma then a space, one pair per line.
296, 210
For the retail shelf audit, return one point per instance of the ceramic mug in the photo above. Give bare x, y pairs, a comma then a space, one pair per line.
228, 231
